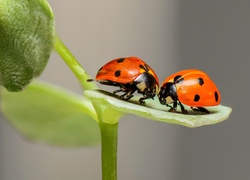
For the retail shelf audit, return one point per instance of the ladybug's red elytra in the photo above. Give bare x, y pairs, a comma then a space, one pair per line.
191, 87
130, 74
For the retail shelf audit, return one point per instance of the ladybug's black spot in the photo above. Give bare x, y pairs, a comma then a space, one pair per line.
141, 66
196, 98
117, 73
120, 60
144, 67
178, 79
216, 96
200, 81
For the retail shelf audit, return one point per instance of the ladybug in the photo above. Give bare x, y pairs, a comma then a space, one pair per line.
130, 74
191, 87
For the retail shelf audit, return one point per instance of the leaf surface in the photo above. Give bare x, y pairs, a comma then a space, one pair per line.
27, 32
155, 111
50, 114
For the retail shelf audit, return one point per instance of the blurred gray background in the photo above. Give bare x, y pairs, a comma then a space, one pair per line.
170, 35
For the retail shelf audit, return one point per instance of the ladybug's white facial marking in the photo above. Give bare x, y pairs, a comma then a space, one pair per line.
157, 89
169, 100
142, 86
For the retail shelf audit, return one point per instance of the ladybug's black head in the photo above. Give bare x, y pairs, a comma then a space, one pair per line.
147, 85
167, 94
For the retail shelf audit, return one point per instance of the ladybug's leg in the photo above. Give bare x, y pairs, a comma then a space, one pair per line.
200, 109
145, 96
128, 94
171, 108
141, 100
183, 110
118, 90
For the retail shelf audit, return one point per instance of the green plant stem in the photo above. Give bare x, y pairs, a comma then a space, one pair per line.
73, 64
109, 133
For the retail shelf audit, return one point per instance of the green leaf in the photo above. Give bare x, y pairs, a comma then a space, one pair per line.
27, 33
49, 114
155, 111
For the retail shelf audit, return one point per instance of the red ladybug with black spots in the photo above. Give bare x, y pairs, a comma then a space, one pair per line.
130, 74
191, 87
